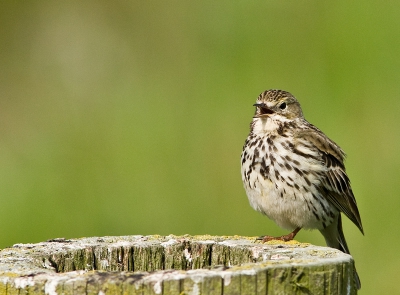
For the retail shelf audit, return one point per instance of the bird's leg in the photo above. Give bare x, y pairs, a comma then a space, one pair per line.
284, 238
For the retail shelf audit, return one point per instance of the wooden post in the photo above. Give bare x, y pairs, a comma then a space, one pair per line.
174, 265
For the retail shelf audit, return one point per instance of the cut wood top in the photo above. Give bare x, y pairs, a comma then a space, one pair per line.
173, 264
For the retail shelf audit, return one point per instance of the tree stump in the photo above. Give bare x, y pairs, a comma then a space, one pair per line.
174, 265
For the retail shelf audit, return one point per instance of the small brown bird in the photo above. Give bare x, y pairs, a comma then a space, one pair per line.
294, 174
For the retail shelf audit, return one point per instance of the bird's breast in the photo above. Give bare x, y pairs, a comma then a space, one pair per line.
281, 183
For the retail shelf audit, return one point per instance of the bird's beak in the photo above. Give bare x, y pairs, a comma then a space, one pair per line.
263, 110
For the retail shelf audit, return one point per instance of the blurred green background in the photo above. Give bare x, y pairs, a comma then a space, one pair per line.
128, 117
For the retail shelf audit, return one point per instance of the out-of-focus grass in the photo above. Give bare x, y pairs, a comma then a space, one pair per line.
121, 117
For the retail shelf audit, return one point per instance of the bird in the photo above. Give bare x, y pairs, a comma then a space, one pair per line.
294, 174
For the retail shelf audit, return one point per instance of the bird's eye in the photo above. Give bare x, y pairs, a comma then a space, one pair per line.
282, 106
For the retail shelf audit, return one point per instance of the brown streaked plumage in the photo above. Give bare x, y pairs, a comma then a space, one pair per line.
294, 174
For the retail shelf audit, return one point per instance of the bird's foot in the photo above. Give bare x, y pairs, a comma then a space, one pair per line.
284, 238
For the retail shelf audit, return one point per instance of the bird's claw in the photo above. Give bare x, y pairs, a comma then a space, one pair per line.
284, 238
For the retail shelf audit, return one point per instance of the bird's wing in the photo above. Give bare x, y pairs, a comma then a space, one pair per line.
336, 185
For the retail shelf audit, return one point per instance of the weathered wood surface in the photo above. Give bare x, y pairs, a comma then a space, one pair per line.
174, 265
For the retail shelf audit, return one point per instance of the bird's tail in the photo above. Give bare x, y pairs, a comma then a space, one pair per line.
334, 238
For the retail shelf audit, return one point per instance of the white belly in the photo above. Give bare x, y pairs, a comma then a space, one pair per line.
284, 195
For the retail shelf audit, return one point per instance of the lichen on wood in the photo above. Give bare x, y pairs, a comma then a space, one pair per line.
174, 265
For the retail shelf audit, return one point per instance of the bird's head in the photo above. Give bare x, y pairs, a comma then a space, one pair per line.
276, 103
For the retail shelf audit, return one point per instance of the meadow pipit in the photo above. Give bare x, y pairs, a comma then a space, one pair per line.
294, 174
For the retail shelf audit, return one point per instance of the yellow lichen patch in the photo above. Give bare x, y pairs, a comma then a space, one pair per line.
204, 237
291, 243
155, 237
